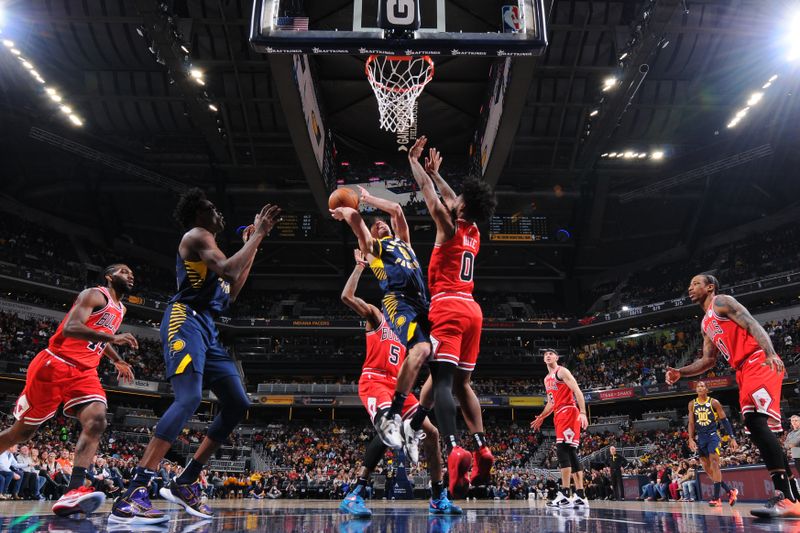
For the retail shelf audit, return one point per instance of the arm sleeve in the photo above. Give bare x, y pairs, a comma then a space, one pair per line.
726, 427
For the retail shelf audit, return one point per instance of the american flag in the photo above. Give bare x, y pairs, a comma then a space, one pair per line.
292, 23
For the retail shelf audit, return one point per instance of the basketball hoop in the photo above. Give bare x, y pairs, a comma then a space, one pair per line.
397, 82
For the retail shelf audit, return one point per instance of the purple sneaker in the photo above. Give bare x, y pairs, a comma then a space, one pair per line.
189, 497
136, 509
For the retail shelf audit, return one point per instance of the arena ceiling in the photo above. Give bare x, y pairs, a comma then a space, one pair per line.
704, 59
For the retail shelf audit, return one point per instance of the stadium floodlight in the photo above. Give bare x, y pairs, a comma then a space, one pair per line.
658, 155
594, 113
8, 44
196, 73
612, 154
629, 155
642, 155
75, 119
773, 78
623, 56
67, 110
213, 108
185, 50
609, 83
742, 113
15, 51
604, 155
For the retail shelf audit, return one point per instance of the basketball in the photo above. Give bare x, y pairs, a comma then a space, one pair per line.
343, 197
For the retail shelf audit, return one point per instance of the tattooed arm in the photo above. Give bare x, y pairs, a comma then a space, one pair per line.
728, 307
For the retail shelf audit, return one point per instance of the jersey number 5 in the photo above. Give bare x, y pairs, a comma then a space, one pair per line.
394, 354
467, 266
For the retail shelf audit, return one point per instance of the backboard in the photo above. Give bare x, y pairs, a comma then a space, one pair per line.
501, 28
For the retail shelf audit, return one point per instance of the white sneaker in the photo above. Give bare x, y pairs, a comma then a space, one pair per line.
561, 500
579, 503
411, 440
388, 429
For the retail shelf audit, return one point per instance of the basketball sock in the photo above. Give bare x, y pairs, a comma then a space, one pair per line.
480, 439
450, 442
725, 486
397, 403
792, 480
436, 489
190, 473
141, 478
716, 490
419, 417
782, 484
565, 491
77, 478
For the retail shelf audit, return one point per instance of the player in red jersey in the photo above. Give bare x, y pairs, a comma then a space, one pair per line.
385, 355
564, 396
729, 329
66, 372
455, 317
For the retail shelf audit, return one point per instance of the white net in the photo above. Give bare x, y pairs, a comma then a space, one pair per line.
397, 82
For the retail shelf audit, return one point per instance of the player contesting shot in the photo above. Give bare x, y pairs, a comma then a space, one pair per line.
729, 329
456, 318
385, 355
208, 282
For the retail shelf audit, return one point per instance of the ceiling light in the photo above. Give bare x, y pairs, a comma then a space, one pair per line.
8, 44
628, 155
604, 155
657, 155
620, 155
196, 73
733, 123
767, 85
76, 120
67, 110
773, 78
594, 113
642, 155
185, 50
755, 98
213, 108
15, 51
612, 154
742, 113
55, 97
623, 56
626, 308
49, 90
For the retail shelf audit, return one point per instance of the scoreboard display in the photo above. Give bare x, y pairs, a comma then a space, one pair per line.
520, 228
294, 226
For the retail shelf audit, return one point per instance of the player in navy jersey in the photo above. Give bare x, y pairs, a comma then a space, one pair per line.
706, 418
208, 282
405, 300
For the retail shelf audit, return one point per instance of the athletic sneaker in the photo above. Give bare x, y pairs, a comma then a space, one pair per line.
354, 504
136, 509
444, 506
80, 500
482, 461
458, 463
188, 496
578, 502
733, 496
356, 525
714, 503
411, 440
388, 429
560, 500
778, 506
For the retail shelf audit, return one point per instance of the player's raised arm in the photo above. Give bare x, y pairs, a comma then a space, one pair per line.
432, 164
366, 243
199, 242
567, 377
393, 209
705, 363
75, 326
729, 307
725, 424
366, 311
440, 214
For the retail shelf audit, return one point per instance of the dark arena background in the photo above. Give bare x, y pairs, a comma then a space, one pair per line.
630, 145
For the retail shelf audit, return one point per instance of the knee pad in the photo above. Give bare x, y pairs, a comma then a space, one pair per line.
771, 451
573, 460
563, 455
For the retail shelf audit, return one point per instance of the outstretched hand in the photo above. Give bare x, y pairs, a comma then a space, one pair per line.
266, 219
416, 151
365, 195
433, 161
361, 259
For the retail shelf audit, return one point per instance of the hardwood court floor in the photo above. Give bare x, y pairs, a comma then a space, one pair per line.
322, 516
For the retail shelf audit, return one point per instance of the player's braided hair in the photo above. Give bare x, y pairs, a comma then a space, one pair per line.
479, 199
109, 270
186, 210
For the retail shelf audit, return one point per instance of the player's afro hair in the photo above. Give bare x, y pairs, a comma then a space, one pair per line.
186, 210
479, 199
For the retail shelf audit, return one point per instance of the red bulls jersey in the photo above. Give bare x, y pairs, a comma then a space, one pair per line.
733, 342
385, 352
82, 353
453, 262
558, 392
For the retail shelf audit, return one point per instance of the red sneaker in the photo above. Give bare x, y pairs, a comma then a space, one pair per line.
458, 463
732, 497
80, 500
482, 461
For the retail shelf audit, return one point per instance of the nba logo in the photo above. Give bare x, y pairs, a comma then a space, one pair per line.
512, 19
